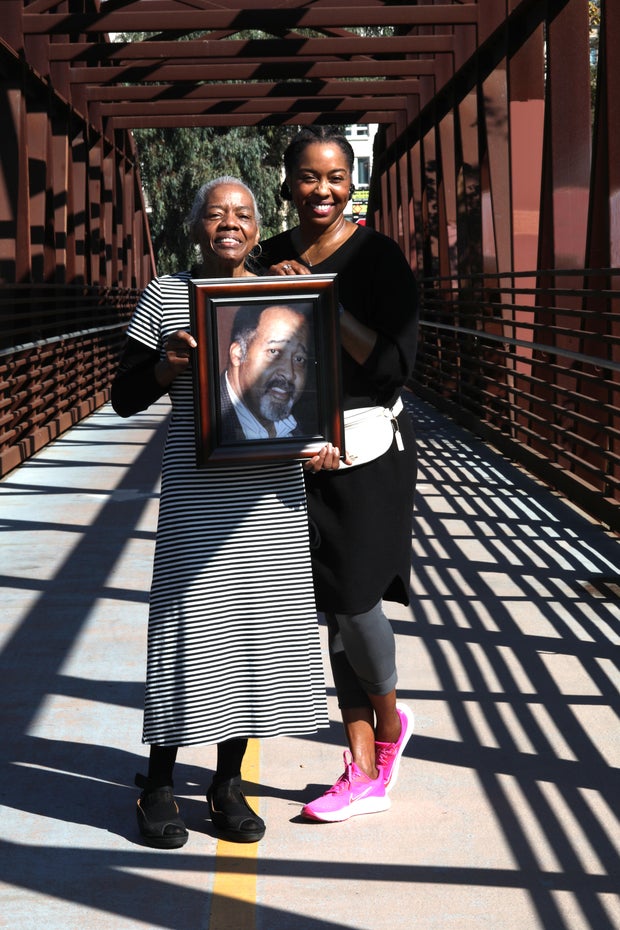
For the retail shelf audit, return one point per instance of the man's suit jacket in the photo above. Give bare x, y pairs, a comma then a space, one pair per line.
230, 427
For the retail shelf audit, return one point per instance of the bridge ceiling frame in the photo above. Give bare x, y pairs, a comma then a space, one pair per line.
66, 75
308, 66
458, 86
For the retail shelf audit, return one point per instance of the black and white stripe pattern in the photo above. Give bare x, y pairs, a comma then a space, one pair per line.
233, 645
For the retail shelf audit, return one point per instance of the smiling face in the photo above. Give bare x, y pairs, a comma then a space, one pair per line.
270, 373
229, 230
320, 185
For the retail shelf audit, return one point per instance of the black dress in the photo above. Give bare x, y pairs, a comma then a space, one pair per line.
363, 515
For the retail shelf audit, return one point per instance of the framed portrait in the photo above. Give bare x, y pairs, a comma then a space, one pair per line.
267, 380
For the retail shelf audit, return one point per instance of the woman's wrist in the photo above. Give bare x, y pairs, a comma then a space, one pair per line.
357, 339
164, 373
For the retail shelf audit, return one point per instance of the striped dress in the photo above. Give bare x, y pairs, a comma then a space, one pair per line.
233, 642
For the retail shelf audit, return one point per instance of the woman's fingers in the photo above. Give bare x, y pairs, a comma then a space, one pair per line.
328, 459
181, 343
290, 267
179, 347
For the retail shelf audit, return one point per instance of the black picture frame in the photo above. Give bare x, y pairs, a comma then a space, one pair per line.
308, 306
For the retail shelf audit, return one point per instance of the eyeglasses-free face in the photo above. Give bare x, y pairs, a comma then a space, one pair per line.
321, 184
229, 227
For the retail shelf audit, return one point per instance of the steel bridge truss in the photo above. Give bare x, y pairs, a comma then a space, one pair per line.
496, 169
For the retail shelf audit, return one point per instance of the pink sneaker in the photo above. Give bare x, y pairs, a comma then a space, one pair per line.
388, 755
354, 793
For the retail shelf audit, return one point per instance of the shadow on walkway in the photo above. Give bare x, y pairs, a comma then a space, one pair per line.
506, 811
517, 602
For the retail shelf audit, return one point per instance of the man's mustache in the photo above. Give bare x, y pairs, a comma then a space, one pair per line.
281, 383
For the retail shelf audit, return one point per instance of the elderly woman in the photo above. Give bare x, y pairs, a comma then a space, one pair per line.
233, 647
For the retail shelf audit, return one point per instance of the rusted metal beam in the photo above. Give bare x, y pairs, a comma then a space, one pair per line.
609, 118
246, 71
267, 118
229, 50
135, 6
524, 17
570, 139
243, 105
265, 90
150, 17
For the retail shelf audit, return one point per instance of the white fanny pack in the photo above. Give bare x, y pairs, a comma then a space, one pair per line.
370, 431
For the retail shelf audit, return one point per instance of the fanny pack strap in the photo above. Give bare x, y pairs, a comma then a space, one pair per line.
395, 410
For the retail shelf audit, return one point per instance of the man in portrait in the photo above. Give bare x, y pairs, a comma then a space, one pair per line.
266, 374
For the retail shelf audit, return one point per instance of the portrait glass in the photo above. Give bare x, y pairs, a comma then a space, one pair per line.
266, 368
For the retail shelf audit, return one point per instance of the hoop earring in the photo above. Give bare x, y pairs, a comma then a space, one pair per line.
258, 254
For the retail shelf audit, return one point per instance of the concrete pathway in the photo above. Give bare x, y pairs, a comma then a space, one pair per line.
505, 815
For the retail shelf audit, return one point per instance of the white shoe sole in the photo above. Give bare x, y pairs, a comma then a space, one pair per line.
362, 806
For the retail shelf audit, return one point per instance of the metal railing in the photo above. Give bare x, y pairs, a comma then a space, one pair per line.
59, 348
531, 363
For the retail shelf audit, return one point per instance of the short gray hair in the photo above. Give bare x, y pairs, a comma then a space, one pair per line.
196, 214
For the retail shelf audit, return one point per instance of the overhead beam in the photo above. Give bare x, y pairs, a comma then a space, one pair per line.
276, 105
201, 49
43, 6
267, 118
248, 70
150, 17
264, 90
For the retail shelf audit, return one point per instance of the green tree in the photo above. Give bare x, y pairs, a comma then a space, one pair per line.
175, 162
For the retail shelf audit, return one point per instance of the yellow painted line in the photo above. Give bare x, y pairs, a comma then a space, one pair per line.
233, 903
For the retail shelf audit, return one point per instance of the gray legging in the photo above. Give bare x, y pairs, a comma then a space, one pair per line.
362, 653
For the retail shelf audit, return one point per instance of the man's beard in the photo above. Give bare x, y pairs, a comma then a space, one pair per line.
272, 409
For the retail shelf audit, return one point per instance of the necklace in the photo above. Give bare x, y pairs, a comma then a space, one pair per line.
324, 246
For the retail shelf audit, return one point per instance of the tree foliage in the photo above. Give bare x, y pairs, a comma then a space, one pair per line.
594, 7
174, 163
594, 14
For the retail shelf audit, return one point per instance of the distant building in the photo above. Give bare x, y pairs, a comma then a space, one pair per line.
361, 136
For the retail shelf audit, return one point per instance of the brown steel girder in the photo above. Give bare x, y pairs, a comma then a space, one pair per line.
305, 68
486, 170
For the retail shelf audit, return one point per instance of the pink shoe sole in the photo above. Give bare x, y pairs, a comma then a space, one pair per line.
362, 806
354, 793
